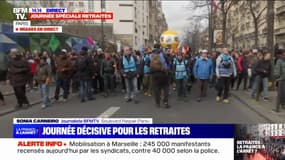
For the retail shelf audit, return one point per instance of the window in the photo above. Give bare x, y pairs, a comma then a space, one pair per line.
61, 4
71, 4
81, 4
123, 20
125, 5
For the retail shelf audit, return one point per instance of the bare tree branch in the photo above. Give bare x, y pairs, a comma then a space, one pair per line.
260, 13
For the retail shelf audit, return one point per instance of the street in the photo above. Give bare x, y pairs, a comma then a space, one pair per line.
207, 111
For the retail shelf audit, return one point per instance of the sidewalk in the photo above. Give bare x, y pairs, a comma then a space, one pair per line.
264, 109
33, 96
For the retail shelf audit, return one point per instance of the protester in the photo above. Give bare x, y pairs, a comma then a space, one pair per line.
263, 71
3, 73
84, 68
129, 70
214, 77
63, 72
147, 80
108, 68
74, 77
203, 71
279, 74
160, 79
242, 68
225, 68
18, 75
180, 68
235, 58
43, 78
252, 61
140, 72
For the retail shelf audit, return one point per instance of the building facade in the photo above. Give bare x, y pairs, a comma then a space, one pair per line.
241, 28
136, 23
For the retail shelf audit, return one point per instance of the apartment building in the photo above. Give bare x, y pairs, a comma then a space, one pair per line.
240, 24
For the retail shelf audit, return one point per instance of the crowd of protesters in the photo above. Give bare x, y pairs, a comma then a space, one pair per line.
155, 71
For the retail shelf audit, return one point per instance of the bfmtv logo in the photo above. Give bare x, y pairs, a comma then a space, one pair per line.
27, 131
20, 13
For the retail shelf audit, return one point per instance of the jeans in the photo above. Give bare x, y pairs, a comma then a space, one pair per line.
181, 87
44, 89
257, 86
86, 89
20, 93
64, 84
131, 87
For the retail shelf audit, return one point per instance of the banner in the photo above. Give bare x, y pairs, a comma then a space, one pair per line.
218, 37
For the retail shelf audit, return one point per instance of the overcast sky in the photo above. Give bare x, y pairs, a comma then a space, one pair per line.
176, 14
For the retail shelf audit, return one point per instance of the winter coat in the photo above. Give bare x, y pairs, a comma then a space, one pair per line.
18, 72
279, 70
33, 65
242, 64
107, 67
263, 68
43, 72
63, 68
84, 68
203, 69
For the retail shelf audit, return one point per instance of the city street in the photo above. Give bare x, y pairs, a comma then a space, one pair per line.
207, 111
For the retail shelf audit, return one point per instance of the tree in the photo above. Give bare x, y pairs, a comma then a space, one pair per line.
6, 11
204, 13
256, 15
233, 28
270, 26
224, 6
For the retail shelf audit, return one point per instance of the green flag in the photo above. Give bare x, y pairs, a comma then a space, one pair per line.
53, 43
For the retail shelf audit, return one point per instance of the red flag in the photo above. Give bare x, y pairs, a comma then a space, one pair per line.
214, 5
90, 41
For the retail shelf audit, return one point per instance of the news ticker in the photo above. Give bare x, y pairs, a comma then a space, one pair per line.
24, 16
134, 128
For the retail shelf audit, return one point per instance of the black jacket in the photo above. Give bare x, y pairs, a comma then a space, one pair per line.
18, 72
84, 67
263, 68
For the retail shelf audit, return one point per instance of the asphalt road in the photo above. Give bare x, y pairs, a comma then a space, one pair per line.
207, 111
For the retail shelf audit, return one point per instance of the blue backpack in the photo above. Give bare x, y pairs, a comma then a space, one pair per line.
226, 62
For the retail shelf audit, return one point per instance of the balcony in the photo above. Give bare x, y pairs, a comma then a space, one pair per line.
280, 31
280, 9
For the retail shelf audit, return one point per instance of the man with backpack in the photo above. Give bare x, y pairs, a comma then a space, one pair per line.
160, 72
225, 68
203, 71
180, 68
84, 68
